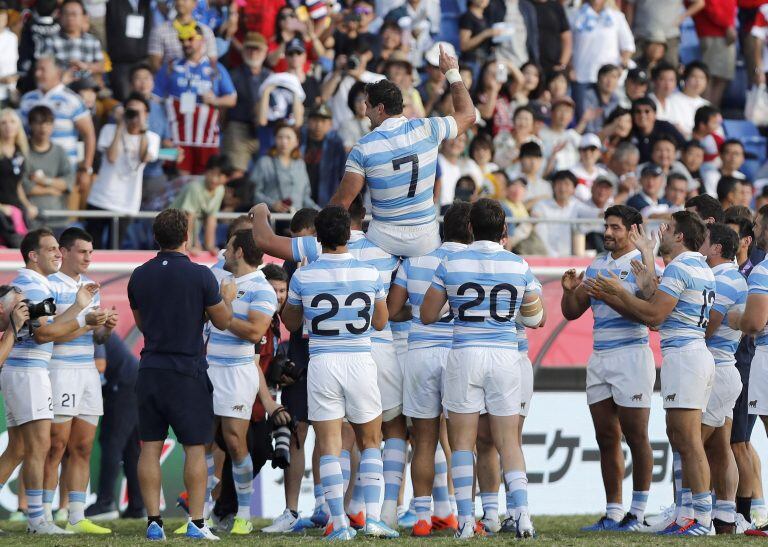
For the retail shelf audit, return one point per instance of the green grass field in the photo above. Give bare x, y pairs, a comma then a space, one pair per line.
552, 531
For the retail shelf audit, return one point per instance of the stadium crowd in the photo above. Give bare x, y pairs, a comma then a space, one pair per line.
592, 112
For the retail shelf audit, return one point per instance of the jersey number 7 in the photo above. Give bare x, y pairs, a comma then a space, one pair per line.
413, 159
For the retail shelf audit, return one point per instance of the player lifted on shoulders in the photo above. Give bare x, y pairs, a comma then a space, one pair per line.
680, 307
397, 160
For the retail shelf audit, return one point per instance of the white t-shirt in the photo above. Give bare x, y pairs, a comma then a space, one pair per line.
9, 45
118, 185
568, 156
681, 110
558, 238
449, 176
598, 39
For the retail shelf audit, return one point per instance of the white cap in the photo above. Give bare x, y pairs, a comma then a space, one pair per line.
590, 139
433, 54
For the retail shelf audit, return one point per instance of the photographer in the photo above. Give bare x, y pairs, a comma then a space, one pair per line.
24, 380
12, 310
126, 147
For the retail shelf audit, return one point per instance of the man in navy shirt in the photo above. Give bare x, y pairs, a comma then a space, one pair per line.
171, 299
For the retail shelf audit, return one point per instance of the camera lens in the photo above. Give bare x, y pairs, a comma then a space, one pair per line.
131, 114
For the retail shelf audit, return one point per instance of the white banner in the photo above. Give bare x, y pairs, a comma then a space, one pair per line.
562, 459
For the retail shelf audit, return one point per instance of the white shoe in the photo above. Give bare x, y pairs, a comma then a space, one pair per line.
193, 532
742, 525
282, 524
525, 528
759, 517
659, 522
491, 526
389, 513
466, 530
46, 528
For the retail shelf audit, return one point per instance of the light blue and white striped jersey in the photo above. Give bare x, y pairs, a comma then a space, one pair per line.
731, 293
398, 160
689, 279
485, 285
400, 329
612, 330
360, 247
338, 294
28, 353
67, 108
254, 293
77, 353
758, 284
522, 336
415, 276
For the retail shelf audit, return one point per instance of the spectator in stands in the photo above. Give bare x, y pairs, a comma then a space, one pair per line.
716, 27
601, 36
558, 238
601, 99
489, 86
731, 159
280, 177
636, 85
481, 154
296, 60
647, 17
587, 170
664, 154
391, 43
100, 108
324, 155
399, 71
653, 51
552, 21
360, 125
622, 169
79, 51
164, 41
519, 41
434, 86
126, 147
128, 27
616, 130
708, 130
9, 45
664, 86
600, 198
202, 197
692, 158
646, 127
508, 143
476, 34
353, 32
420, 19
288, 28
194, 89
530, 163
729, 192
13, 157
685, 103
675, 193
32, 43
240, 141
559, 143
651, 181
347, 71
452, 166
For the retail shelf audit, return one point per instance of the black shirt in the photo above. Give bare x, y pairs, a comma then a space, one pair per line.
552, 23
11, 171
312, 90
644, 143
171, 292
312, 156
247, 86
476, 25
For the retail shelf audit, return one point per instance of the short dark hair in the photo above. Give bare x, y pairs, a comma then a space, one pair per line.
706, 206
333, 225
31, 242
385, 93
565, 174
629, 215
251, 253
220, 162
70, 235
695, 65
234, 225
273, 272
617, 112
692, 227
481, 140
303, 219
357, 208
703, 114
487, 219
663, 137
763, 212
605, 69
525, 108
693, 143
720, 234
137, 67
660, 68
170, 228
746, 227
78, 2
456, 223
643, 101
676, 175
40, 114
731, 142
45, 7
738, 211
138, 97
725, 186
356, 89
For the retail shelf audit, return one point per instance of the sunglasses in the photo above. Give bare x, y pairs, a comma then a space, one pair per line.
294, 53
286, 15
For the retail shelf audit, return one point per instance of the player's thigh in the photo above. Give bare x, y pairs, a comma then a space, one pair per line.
463, 382
758, 382
526, 384
423, 382
234, 390
325, 390
631, 372
502, 381
686, 377
361, 390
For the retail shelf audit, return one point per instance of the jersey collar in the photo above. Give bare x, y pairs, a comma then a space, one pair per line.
485, 246
623, 259
725, 266
453, 246
392, 123
247, 277
64, 278
336, 257
40, 278
688, 254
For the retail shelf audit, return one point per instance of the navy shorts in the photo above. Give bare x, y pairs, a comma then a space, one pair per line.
743, 421
170, 399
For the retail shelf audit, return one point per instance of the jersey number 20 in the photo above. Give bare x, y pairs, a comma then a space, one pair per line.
494, 296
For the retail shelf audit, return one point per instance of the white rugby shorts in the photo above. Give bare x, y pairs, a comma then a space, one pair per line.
758, 382
483, 378
27, 395
726, 388
404, 241
624, 374
687, 374
389, 375
423, 392
526, 383
235, 389
76, 391
400, 339
343, 385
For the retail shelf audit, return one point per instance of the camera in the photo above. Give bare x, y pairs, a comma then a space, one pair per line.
131, 114
281, 366
353, 62
42, 309
281, 452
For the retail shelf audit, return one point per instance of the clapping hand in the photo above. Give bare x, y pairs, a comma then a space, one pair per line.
605, 285
85, 294
645, 279
643, 241
112, 317
570, 281
96, 317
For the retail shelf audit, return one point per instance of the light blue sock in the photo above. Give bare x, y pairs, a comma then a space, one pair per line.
686, 506
393, 464
371, 477
702, 508
48, 496
725, 511
517, 486
76, 506
35, 512
639, 503
333, 490
462, 470
242, 474
757, 503
423, 508
346, 467
490, 503
357, 502
440, 495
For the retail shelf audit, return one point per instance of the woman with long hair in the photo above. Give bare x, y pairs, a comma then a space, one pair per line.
14, 148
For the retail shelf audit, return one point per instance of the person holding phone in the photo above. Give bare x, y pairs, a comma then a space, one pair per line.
126, 147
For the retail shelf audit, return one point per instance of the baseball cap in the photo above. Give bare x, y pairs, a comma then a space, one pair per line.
296, 44
590, 140
651, 170
321, 111
604, 181
84, 83
638, 76
433, 54
254, 39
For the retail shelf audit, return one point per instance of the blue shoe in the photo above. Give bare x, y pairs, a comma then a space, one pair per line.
377, 528
303, 524
603, 525
670, 530
193, 532
319, 518
630, 524
693, 528
407, 520
345, 534
155, 532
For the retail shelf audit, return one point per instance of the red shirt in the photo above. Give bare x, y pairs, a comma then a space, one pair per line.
715, 18
269, 343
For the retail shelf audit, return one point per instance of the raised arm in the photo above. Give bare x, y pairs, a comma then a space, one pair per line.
265, 238
464, 110
575, 300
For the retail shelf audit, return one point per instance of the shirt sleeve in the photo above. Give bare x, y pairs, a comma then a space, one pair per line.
106, 136
760, 27
155, 45
294, 290
153, 146
758, 280
532, 285
211, 295
307, 247
381, 292
161, 82
626, 39
226, 87
674, 281
264, 300
80, 112
725, 295
355, 161
438, 280
443, 128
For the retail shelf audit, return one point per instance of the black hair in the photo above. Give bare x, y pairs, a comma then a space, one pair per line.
703, 114
565, 174
333, 225
692, 227
70, 235
170, 228
524, 108
725, 186
45, 7
481, 140
356, 89
273, 272
643, 101
236, 225
530, 149
357, 209
78, 2
605, 69
695, 65
720, 234
456, 223
660, 68
616, 113
738, 211
140, 66
40, 114
138, 97
31, 242
303, 219
251, 253
664, 137
629, 215
693, 143
730, 142
487, 219
746, 227
220, 162
707, 207
385, 93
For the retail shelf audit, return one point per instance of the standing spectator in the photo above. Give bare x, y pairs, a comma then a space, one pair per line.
194, 89
280, 177
74, 48
518, 42
71, 120
716, 27
288, 28
651, 181
434, 87
353, 32
13, 158
647, 17
165, 39
664, 86
324, 155
558, 238
96, 11
128, 26
49, 175
391, 42
360, 125
9, 45
646, 127
559, 143
452, 167
554, 54
126, 148
475, 34
600, 198
37, 28
601, 36
296, 52
600, 100
420, 20
684, 104
588, 169
240, 141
